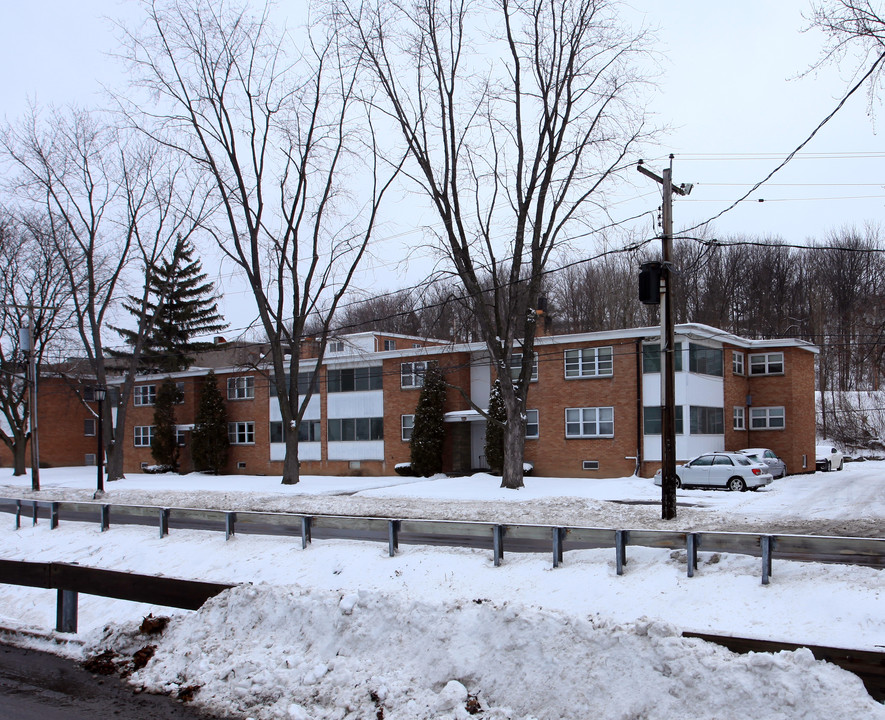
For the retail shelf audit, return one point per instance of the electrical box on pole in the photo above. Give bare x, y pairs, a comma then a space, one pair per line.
650, 283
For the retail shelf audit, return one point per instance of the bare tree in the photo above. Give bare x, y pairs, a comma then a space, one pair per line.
112, 201
515, 114
33, 291
277, 134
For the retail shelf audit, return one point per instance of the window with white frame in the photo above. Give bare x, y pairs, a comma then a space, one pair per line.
589, 422
144, 435
706, 420
144, 394
532, 424
308, 431
739, 418
588, 362
408, 424
516, 366
704, 360
241, 388
355, 429
652, 423
737, 362
412, 374
767, 418
89, 427
354, 379
241, 433
767, 364
179, 386
390, 344
180, 436
336, 346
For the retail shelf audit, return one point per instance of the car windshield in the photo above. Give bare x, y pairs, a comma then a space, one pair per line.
742, 460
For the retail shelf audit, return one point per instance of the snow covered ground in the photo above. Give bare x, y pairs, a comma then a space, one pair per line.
340, 630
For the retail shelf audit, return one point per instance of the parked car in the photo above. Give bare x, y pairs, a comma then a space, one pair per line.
776, 466
828, 457
733, 471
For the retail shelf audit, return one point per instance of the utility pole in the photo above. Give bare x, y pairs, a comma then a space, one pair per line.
27, 345
668, 366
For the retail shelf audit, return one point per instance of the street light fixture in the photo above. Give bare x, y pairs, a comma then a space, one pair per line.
99, 392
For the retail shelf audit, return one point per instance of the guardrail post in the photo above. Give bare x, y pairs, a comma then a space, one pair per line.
498, 543
558, 537
104, 519
53, 516
691, 552
392, 536
18, 514
622, 537
305, 531
230, 520
767, 547
66, 611
164, 522
35, 513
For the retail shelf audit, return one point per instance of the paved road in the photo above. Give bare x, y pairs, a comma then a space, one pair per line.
40, 686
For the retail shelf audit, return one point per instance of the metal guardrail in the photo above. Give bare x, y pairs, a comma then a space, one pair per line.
846, 550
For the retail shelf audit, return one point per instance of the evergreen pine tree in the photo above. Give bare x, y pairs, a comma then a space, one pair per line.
209, 440
191, 309
426, 444
495, 430
164, 446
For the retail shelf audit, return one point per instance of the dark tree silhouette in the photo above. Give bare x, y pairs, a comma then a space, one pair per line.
428, 433
164, 447
209, 440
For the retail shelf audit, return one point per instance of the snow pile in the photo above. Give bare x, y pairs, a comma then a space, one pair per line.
290, 653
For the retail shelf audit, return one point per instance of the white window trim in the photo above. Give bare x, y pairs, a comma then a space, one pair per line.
738, 366
589, 368
140, 393
404, 427
516, 366
241, 387
766, 363
536, 423
86, 431
140, 433
739, 418
233, 432
766, 415
598, 422
414, 378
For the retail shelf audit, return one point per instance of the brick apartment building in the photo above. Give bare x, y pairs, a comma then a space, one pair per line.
593, 404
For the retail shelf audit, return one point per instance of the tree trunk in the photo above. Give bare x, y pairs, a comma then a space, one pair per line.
291, 472
514, 443
114, 465
19, 458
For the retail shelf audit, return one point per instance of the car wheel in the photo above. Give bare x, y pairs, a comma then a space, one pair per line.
827, 466
736, 484
841, 465
678, 483
785, 472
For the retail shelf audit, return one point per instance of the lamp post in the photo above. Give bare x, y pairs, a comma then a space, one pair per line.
99, 392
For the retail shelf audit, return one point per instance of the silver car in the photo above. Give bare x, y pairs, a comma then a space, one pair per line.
776, 466
732, 471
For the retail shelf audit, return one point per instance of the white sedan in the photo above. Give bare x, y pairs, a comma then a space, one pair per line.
732, 471
828, 457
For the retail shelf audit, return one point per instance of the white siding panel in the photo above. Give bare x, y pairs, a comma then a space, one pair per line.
361, 404
480, 382
312, 412
306, 451
363, 450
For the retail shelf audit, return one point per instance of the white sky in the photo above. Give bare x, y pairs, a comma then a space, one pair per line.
730, 91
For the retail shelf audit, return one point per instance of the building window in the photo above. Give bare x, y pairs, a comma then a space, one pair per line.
241, 388
588, 362
144, 394
179, 436
737, 362
516, 366
739, 416
532, 424
706, 420
88, 393
704, 360
308, 431
353, 379
144, 435
767, 364
651, 420
767, 418
408, 424
336, 346
412, 374
89, 427
390, 344
241, 433
651, 357
589, 422
355, 429
304, 385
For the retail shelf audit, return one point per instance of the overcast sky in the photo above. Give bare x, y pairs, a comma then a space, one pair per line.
731, 90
